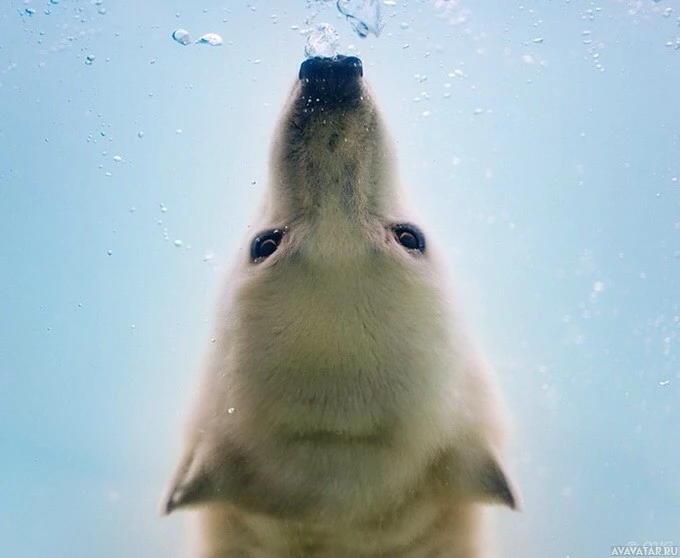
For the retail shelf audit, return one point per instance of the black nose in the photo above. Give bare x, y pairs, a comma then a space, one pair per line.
331, 80
338, 68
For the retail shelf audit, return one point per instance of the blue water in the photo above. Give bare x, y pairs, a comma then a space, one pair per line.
541, 142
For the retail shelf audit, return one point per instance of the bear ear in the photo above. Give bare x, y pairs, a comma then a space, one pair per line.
190, 485
208, 472
476, 471
495, 485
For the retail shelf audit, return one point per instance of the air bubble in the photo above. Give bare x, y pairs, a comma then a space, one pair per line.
181, 36
364, 15
212, 39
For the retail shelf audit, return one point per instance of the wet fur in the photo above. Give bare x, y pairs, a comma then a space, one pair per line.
343, 412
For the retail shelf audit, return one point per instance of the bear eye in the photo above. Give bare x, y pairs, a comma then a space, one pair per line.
265, 244
410, 237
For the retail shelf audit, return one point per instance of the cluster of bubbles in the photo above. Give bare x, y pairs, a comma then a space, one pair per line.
365, 16
32, 11
324, 41
183, 37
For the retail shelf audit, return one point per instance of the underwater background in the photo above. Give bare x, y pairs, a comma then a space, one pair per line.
540, 141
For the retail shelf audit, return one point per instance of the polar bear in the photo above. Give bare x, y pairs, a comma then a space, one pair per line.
343, 411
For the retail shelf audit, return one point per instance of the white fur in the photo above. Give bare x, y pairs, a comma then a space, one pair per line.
343, 412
